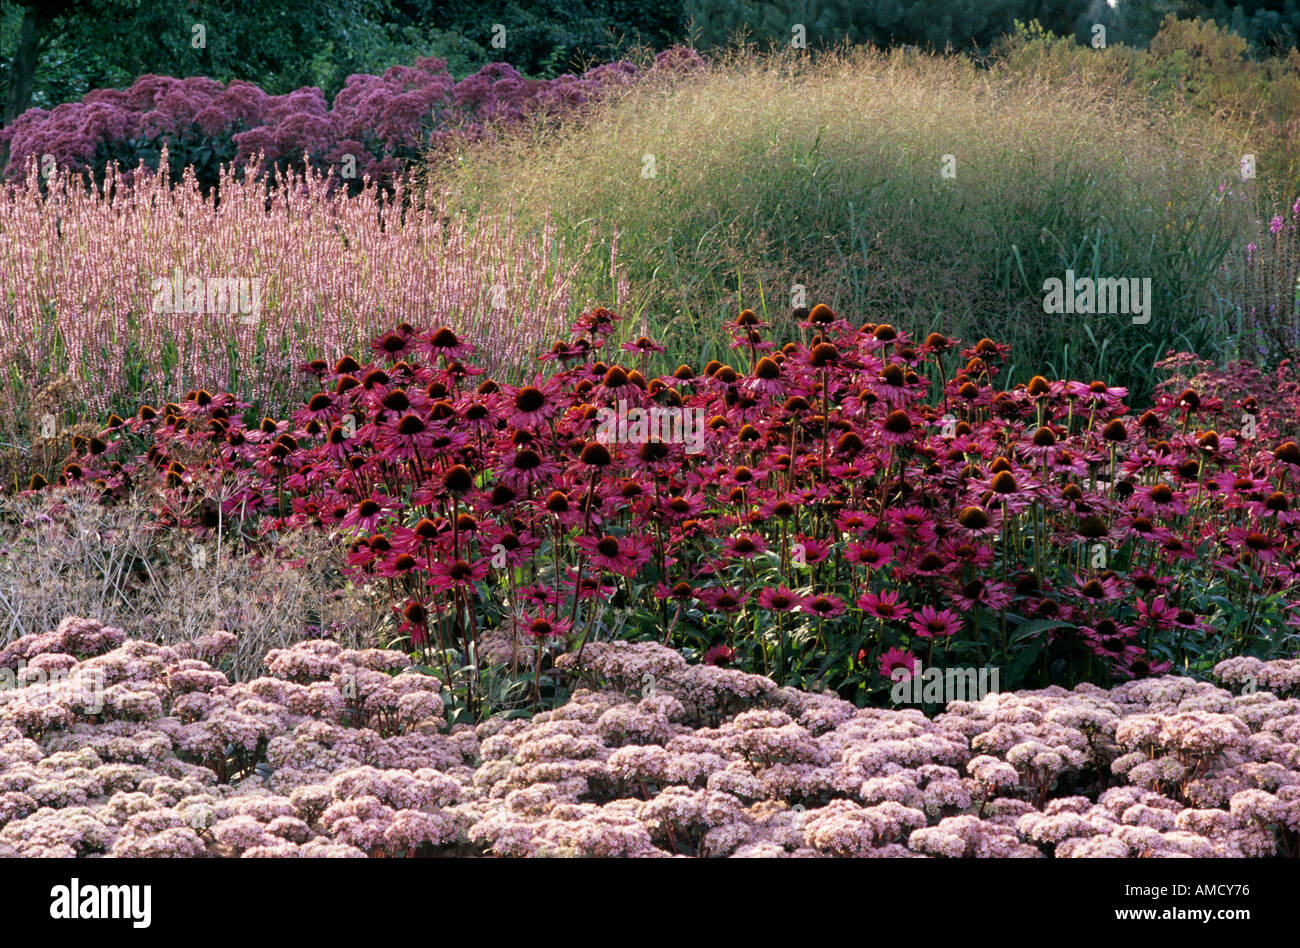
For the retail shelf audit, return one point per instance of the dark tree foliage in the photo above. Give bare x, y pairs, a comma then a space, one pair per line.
547, 37
54, 51
281, 45
937, 24
1271, 27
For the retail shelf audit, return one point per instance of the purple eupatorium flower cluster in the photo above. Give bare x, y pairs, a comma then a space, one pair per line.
381, 121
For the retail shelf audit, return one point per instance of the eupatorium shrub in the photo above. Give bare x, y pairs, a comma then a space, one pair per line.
382, 122
860, 502
338, 752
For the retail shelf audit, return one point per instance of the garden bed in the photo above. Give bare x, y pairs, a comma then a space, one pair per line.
127, 748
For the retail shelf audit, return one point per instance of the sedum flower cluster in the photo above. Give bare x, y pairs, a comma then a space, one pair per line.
120, 747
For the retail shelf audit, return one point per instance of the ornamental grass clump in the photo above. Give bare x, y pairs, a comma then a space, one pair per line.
132, 568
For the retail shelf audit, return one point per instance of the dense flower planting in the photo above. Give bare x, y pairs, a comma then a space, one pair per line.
382, 122
79, 274
126, 748
859, 503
